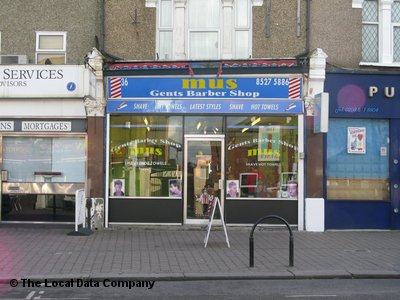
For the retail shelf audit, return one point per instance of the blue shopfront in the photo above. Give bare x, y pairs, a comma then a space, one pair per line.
177, 142
362, 169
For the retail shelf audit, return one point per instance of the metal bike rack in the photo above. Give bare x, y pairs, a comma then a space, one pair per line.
291, 242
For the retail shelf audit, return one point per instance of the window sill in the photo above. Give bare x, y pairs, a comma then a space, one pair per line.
377, 64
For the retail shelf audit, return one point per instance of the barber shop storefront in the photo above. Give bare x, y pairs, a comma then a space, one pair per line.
363, 152
42, 142
177, 142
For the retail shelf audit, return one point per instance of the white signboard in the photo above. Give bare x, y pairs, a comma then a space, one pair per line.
6, 125
46, 126
42, 81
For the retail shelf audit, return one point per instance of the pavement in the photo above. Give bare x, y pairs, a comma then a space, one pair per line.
178, 253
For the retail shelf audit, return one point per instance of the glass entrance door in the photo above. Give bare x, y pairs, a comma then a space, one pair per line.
204, 176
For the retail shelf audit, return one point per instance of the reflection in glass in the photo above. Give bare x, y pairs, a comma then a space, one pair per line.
146, 155
262, 156
203, 125
203, 174
23, 156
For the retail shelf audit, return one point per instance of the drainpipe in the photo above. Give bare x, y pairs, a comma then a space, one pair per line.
308, 22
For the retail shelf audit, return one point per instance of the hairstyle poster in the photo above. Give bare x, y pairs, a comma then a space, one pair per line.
118, 187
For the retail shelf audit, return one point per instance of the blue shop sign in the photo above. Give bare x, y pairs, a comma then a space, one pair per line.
363, 95
206, 106
204, 88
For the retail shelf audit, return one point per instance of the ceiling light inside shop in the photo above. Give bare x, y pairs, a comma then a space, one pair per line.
245, 129
255, 121
145, 121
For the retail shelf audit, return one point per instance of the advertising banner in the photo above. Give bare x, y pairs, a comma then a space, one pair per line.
204, 87
206, 106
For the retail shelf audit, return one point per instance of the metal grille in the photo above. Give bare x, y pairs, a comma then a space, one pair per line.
396, 12
370, 11
370, 43
396, 44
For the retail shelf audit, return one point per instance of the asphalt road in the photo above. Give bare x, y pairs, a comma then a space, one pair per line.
215, 289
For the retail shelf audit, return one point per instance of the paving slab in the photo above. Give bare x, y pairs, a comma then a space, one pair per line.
171, 253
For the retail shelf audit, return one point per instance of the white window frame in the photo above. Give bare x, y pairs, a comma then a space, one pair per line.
163, 29
385, 34
62, 51
226, 32
218, 30
248, 28
394, 25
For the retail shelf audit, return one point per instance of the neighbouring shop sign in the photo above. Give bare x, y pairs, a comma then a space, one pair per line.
46, 126
44, 81
363, 95
204, 87
6, 125
206, 106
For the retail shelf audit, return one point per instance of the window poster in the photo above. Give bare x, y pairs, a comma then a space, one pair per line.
175, 187
233, 190
268, 140
118, 187
356, 137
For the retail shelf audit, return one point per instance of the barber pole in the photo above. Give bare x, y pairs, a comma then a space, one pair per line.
115, 87
294, 88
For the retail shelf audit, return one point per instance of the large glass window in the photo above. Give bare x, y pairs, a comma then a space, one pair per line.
146, 156
262, 157
358, 159
25, 158
194, 28
203, 32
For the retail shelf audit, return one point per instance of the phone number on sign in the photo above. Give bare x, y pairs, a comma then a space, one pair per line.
272, 81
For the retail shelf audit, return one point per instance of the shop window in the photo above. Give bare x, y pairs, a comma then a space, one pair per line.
184, 33
262, 157
146, 156
358, 159
25, 158
380, 31
51, 48
204, 125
